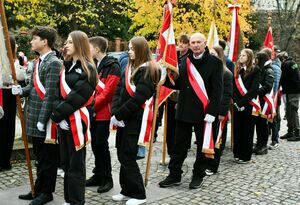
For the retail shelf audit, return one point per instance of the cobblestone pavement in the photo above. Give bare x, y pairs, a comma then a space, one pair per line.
269, 179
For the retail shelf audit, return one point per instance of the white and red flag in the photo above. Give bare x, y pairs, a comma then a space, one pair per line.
269, 42
235, 36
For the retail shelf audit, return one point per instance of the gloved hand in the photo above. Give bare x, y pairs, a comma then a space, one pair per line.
209, 118
16, 90
40, 126
239, 108
115, 122
64, 125
1, 112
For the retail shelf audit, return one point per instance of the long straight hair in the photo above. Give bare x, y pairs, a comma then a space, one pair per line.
249, 63
221, 56
82, 51
142, 55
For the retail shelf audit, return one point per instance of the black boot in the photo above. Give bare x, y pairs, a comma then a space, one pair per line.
287, 135
170, 181
295, 137
263, 150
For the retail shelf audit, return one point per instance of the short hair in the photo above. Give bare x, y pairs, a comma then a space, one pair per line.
222, 43
184, 38
282, 55
268, 51
100, 42
45, 32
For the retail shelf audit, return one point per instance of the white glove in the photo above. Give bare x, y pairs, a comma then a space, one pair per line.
242, 108
209, 118
16, 90
1, 112
64, 125
115, 122
40, 126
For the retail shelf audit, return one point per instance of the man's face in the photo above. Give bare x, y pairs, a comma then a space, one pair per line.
37, 44
197, 44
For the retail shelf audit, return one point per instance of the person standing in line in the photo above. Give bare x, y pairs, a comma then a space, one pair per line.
245, 90
137, 85
200, 83
274, 126
78, 81
42, 96
266, 81
290, 82
223, 114
109, 73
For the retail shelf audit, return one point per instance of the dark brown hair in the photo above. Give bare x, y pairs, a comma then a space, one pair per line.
100, 42
184, 38
45, 32
143, 55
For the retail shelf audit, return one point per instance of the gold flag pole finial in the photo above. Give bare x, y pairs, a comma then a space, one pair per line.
269, 18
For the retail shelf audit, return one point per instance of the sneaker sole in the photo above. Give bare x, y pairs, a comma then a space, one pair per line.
196, 187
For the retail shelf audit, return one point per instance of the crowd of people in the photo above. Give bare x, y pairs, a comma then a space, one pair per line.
76, 97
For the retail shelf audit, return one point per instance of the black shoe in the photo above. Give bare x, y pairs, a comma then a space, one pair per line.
140, 157
287, 135
93, 182
262, 151
196, 182
294, 139
274, 145
105, 187
26, 196
42, 199
170, 181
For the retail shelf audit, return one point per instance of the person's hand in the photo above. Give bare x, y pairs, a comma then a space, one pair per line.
16, 90
1, 112
239, 108
64, 125
40, 126
115, 122
209, 118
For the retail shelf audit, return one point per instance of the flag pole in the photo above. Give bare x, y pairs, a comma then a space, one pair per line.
152, 133
164, 145
21, 114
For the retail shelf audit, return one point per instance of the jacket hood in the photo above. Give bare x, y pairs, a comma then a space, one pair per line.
107, 61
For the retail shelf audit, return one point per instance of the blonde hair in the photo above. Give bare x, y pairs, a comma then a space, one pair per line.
82, 51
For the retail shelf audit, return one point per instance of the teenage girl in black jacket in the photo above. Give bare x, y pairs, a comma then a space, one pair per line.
127, 111
77, 85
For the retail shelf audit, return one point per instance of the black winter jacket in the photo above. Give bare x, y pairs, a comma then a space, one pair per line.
81, 90
290, 77
266, 80
189, 107
227, 92
125, 107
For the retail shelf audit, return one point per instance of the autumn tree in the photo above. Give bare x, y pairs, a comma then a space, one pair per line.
189, 16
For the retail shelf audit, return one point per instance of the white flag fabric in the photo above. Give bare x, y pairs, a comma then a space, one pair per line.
213, 39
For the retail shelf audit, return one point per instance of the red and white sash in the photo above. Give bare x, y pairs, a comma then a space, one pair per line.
51, 127
147, 118
100, 86
198, 85
242, 89
220, 131
76, 119
268, 110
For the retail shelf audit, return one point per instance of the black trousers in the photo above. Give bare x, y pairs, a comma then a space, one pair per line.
213, 164
130, 177
171, 126
100, 147
243, 131
7, 128
47, 156
262, 132
73, 163
182, 143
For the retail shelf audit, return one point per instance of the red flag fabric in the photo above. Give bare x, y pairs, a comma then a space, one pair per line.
235, 36
166, 52
269, 43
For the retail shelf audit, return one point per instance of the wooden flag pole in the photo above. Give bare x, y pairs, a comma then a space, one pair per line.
164, 145
152, 133
11, 62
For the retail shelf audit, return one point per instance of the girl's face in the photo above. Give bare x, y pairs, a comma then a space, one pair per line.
69, 47
243, 57
213, 52
131, 52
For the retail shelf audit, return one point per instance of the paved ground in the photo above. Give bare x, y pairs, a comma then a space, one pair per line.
270, 179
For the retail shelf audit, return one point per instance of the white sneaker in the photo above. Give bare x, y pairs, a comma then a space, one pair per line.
135, 201
208, 172
60, 172
120, 197
66, 203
